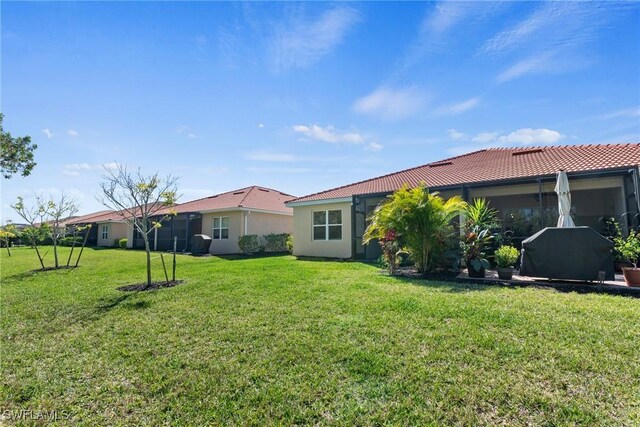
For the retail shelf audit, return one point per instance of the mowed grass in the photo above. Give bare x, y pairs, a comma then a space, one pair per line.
277, 340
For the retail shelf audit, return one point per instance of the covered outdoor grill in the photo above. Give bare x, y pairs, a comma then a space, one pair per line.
576, 253
200, 244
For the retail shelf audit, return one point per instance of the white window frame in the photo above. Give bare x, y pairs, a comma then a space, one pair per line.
105, 232
219, 228
326, 225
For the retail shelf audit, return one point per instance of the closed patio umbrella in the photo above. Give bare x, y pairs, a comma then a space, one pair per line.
564, 201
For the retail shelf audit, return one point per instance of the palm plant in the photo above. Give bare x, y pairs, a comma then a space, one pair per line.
418, 219
479, 214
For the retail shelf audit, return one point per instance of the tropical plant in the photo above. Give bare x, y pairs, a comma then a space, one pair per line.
506, 256
628, 247
473, 248
479, 214
418, 219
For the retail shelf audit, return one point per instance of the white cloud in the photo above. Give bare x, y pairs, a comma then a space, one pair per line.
627, 112
186, 131
47, 133
534, 64
529, 136
374, 146
78, 166
484, 137
519, 137
459, 108
70, 172
260, 125
111, 165
390, 103
456, 135
72, 132
263, 156
300, 43
329, 134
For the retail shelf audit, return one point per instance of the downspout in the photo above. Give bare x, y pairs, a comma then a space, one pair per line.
353, 227
246, 222
540, 205
155, 238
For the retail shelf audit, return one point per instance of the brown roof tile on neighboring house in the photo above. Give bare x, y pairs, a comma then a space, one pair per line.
495, 164
254, 197
101, 216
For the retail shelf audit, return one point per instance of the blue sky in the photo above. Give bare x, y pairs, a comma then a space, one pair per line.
304, 97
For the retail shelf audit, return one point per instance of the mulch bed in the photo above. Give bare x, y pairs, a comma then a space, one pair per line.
154, 286
412, 273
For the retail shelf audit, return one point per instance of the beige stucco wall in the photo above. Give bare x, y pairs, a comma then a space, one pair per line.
304, 245
117, 230
224, 246
261, 223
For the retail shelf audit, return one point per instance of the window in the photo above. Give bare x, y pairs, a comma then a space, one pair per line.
327, 225
105, 232
221, 227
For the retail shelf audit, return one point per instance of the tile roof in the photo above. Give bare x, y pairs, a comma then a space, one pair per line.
100, 216
495, 164
254, 197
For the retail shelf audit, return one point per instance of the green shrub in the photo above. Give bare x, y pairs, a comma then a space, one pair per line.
249, 244
289, 244
122, 243
275, 242
506, 256
68, 241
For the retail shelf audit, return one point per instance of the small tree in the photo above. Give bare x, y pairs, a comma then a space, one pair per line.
7, 234
16, 154
138, 198
48, 212
36, 216
418, 219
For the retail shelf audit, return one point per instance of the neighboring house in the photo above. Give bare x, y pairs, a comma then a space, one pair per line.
107, 227
224, 217
519, 182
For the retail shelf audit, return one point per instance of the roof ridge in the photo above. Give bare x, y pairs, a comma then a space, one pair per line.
386, 175
557, 147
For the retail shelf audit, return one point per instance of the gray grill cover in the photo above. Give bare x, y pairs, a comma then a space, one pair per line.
576, 253
200, 244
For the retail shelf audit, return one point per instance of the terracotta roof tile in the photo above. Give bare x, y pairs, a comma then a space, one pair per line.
495, 164
254, 197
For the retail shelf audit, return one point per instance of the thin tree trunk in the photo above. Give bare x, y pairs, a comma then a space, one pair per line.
55, 252
35, 246
73, 245
148, 249
8, 250
84, 243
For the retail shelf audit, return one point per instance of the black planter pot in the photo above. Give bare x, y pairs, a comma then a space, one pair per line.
505, 273
476, 273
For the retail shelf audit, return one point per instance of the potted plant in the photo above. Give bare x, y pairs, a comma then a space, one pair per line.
473, 249
506, 257
629, 248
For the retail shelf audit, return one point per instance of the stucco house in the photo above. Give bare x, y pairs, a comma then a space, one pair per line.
107, 228
519, 182
224, 217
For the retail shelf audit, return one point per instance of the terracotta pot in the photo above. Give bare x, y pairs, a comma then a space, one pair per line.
505, 273
619, 265
476, 273
631, 276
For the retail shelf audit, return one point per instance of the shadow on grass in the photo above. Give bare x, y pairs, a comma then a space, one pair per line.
454, 285
240, 257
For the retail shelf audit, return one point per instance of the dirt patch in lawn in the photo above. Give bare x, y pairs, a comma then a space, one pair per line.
153, 287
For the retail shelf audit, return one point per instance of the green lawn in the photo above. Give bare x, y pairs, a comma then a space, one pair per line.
280, 341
